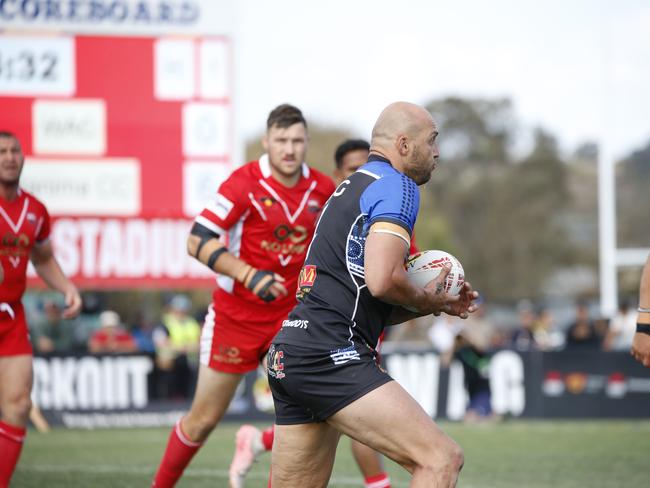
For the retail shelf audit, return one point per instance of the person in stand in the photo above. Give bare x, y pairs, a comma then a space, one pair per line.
177, 348
25, 231
641, 341
581, 334
322, 365
622, 328
53, 334
266, 211
111, 337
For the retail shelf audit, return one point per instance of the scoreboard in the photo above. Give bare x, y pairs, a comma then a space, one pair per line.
126, 138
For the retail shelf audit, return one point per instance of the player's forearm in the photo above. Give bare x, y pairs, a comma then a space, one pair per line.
213, 254
400, 315
50, 272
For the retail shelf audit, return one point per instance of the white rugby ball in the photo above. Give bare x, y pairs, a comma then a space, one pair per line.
426, 266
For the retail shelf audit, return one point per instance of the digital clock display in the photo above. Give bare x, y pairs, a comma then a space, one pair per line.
34, 66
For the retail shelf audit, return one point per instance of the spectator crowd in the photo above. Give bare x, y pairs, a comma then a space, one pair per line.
172, 339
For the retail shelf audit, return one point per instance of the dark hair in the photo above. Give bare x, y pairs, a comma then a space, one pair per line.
284, 116
349, 146
6, 133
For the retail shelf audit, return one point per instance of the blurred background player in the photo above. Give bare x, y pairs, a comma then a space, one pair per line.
25, 231
349, 156
266, 212
641, 343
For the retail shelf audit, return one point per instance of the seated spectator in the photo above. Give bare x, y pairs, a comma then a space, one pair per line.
177, 349
52, 333
581, 334
111, 338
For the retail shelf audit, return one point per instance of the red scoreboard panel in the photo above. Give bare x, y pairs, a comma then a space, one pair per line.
125, 140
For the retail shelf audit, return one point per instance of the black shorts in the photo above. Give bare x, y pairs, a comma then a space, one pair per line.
310, 385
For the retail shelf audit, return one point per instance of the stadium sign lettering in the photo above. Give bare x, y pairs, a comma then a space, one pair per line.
91, 383
89, 248
419, 374
101, 11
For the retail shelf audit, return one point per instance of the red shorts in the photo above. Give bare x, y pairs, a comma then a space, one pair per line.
237, 346
14, 334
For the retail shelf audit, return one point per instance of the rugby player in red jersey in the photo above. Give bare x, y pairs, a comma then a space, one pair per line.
254, 235
24, 236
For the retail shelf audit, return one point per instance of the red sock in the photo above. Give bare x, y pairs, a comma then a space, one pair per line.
267, 438
11, 443
180, 451
377, 481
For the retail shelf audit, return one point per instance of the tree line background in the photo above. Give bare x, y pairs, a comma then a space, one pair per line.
524, 222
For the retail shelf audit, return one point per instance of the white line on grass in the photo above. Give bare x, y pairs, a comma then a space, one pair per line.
191, 472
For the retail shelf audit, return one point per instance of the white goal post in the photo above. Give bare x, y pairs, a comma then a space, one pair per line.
611, 257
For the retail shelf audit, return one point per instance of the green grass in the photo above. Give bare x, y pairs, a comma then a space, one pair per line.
513, 454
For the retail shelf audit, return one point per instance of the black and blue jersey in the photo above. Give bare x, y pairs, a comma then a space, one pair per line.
335, 310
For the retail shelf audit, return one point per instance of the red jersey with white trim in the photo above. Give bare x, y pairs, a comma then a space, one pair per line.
24, 222
268, 225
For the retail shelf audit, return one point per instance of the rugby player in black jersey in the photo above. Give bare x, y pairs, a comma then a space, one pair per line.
321, 364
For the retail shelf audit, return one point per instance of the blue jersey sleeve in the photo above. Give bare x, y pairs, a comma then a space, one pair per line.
393, 198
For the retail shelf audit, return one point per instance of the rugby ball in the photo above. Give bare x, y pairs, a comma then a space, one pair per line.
426, 266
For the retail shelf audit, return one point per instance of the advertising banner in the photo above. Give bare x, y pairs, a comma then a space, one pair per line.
120, 391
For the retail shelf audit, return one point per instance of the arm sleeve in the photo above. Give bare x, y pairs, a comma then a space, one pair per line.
394, 198
227, 207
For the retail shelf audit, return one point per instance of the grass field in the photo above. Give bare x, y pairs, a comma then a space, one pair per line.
513, 454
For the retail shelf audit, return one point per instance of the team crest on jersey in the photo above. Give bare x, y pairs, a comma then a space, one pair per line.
275, 363
31, 218
306, 280
267, 201
314, 206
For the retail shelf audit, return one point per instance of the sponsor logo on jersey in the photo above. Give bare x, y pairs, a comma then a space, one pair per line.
267, 201
306, 280
227, 354
342, 356
221, 206
275, 363
296, 324
289, 240
307, 275
314, 206
296, 234
15, 245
